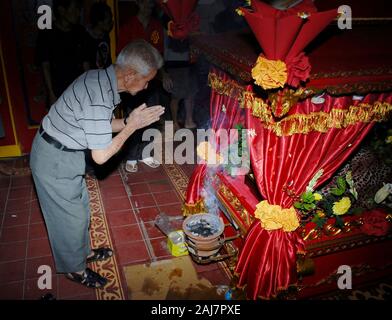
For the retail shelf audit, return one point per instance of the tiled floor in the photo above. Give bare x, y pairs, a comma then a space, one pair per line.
131, 203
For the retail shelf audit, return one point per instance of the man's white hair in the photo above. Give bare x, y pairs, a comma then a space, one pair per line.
139, 56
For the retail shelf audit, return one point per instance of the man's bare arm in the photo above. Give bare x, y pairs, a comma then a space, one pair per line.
139, 118
101, 156
118, 125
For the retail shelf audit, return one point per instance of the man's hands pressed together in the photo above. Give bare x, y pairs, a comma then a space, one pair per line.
143, 116
139, 118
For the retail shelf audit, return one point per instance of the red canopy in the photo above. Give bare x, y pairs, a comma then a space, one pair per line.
184, 19
283, 34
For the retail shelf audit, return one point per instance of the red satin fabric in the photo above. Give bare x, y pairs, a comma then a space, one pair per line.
334, 69
282, 34
184, 19
275, 29
178, 10
181, 30
267, 262
298, 69
220, 119
195, 185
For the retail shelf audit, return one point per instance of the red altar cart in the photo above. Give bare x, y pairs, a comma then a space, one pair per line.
297, 140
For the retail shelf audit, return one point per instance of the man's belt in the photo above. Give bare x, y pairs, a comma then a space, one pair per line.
54, 142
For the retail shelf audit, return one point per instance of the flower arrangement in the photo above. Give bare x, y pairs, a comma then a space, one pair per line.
234, 157
237, 152
337, 203
269, 74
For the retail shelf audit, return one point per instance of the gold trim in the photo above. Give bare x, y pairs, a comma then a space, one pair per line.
329, 230
305, 266
300, 123
194, 208
10, 151
286, 98
239, 223
336, 118
10, 108
330, 246
33, 127
228, 88
229, 200
178, 177
100, 237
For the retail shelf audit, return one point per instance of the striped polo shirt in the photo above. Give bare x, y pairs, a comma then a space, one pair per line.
81, 118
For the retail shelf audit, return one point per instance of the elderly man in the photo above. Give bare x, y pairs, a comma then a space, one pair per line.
82, 118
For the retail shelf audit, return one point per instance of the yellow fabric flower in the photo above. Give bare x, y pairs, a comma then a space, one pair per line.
274, 217
155, 37
169, 26
341, 207
206, 152
303, 15
317, 196
239, 11
320, 213
389, 139
269, 74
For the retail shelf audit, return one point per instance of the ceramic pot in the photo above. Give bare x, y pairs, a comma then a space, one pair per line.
199, 244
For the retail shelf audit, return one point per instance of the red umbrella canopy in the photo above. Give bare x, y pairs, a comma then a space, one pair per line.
184, 19
179, 10
283, 34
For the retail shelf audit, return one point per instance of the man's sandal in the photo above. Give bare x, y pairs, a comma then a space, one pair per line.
151, 162
131, 166
100, 254
89, 278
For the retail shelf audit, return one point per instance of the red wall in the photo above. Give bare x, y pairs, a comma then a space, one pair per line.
12, 68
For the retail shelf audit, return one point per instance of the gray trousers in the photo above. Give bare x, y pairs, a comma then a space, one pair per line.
63, 197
